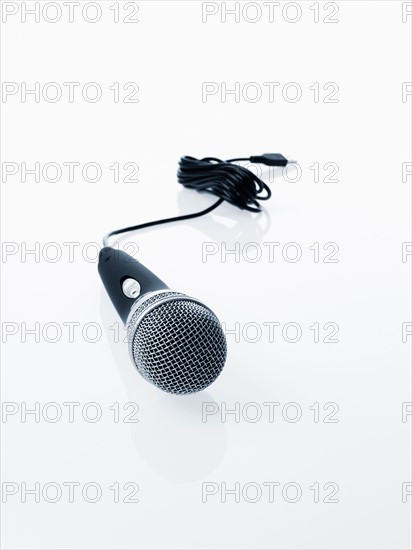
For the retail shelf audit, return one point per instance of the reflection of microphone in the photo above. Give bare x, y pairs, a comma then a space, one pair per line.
176, 342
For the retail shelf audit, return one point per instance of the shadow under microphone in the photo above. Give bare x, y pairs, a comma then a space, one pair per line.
175, 341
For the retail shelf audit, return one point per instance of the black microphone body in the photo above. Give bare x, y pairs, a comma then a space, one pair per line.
115, 267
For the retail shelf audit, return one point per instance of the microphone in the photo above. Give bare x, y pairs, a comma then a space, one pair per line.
176, 342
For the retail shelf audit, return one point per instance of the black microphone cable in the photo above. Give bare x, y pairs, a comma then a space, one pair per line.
230, 182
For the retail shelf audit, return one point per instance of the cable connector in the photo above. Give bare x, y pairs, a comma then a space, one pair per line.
270, 159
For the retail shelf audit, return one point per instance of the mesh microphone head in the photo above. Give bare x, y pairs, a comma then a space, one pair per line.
176, 342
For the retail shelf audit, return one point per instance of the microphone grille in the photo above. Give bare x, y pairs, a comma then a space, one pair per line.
177, 343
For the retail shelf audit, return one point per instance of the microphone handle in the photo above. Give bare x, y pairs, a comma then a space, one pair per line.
125, 279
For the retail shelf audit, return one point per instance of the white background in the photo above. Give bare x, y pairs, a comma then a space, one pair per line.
170, 452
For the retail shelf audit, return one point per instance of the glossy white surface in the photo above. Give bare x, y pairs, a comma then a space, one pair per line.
171, 452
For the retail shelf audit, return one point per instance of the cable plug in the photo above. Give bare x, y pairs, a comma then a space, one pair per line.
270, 159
